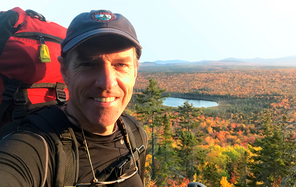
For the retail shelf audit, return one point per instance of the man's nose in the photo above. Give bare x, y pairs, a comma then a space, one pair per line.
106, 78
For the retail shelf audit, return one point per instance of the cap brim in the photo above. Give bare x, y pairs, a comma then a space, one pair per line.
81, 38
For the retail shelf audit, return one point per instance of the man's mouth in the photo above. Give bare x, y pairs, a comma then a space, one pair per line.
104, 99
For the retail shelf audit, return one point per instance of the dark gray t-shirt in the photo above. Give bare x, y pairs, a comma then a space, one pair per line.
22, 158
103, 150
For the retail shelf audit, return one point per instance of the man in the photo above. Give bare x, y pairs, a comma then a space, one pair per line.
99, 64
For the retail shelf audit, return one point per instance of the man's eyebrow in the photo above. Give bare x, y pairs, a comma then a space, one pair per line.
88, 58
123, 59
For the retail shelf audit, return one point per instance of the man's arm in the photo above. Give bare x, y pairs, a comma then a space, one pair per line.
23, 160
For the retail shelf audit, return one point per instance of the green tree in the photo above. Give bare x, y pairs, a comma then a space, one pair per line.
189, 137
273, 158
166, 156
211, 175
242, 170
185, 151
187, 114
149, 109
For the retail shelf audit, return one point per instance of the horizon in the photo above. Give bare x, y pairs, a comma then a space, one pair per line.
228, 58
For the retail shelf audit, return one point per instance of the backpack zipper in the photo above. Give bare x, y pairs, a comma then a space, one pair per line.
41, 39
44, 55
39, 36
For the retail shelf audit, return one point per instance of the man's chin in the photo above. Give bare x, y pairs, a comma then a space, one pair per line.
105, 121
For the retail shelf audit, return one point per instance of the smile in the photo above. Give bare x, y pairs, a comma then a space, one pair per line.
105, 99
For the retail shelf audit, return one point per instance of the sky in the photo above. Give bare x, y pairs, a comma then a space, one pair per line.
191, 30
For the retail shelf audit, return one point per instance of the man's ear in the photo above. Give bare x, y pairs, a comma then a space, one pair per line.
62, 68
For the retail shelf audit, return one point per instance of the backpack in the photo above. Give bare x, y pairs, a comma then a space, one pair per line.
51, 121
29, 71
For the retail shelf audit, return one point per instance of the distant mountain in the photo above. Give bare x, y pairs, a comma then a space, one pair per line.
171, 61
284, 61
165, 63
148, 64
231, 59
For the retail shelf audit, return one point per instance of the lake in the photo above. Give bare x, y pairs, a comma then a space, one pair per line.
175, 102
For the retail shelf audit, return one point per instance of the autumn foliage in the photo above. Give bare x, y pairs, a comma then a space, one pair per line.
226, 145
237, 83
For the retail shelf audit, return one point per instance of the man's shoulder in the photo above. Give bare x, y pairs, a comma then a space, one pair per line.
131, 122
49, 118
50, 123
135, 128
41, 117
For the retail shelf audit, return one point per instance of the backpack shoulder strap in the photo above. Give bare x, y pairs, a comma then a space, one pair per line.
138, 137
9, 128
11, 88
53, 122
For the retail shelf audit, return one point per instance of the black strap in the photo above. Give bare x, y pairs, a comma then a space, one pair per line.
9, 128
67, 155
11, 88
40, 85
59, 90
21, 102
137, 140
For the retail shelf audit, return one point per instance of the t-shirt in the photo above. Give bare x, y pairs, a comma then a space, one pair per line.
22, 158
103, 151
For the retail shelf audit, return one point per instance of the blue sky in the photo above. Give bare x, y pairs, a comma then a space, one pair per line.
191, 30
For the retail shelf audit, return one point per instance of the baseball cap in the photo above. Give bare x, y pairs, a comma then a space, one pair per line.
98, 23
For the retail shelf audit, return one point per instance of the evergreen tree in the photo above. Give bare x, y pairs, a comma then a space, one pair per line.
242, 170
149, 109
272, 155
187, 114
189, 137
166, 156
210, 174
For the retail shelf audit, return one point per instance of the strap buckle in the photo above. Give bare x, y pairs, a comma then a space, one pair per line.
123, 165
19, 112
60, 93
20, 99
140, 149
9, 92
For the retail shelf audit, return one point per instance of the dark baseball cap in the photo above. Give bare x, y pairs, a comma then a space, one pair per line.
98, 23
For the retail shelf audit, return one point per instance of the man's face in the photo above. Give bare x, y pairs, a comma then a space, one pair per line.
100, 84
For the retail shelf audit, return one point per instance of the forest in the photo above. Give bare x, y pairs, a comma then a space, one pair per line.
248, 140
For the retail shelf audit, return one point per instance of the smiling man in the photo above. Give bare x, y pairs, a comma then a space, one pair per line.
99, 63
100, 81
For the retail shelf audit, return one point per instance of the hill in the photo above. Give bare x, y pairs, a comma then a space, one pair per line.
289, 61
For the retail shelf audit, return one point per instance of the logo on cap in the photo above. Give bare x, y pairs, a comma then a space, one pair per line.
102, 16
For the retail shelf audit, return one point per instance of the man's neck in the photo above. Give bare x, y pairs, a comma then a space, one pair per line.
102, 131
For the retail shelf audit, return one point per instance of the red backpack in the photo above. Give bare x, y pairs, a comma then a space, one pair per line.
29, 71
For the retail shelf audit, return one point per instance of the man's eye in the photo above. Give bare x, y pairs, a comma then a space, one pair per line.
121, 65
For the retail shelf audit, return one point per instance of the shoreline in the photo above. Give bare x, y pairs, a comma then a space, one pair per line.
221, 103
196, 99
